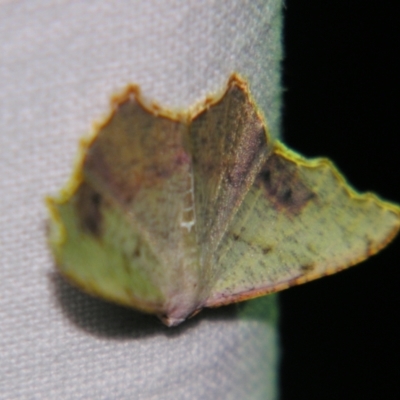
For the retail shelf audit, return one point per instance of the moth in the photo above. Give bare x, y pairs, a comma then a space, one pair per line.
172, 212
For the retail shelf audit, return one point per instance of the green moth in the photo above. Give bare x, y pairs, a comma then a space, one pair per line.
169, 213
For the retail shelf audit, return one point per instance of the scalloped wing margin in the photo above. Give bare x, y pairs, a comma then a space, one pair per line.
299, 221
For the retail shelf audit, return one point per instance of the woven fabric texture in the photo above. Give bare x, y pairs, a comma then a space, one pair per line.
59, 64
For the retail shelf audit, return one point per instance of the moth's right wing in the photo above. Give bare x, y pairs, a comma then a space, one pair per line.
299, 221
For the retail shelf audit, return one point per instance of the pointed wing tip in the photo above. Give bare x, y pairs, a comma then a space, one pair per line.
390, 222
391, 234
283, 151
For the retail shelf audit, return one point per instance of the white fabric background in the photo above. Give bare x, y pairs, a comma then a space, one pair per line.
59, 63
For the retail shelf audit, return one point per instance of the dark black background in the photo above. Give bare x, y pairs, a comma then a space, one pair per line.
340, 335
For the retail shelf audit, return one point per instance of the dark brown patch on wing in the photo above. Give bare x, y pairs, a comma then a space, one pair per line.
306, 268
88, 204
266, 250
283, 185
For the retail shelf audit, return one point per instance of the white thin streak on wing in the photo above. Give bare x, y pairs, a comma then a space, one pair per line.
191, 207
188, 225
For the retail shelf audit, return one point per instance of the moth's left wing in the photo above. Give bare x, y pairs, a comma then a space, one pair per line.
299, 221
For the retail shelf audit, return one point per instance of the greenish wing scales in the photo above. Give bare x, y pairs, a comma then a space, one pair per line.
299, 221
104, 254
